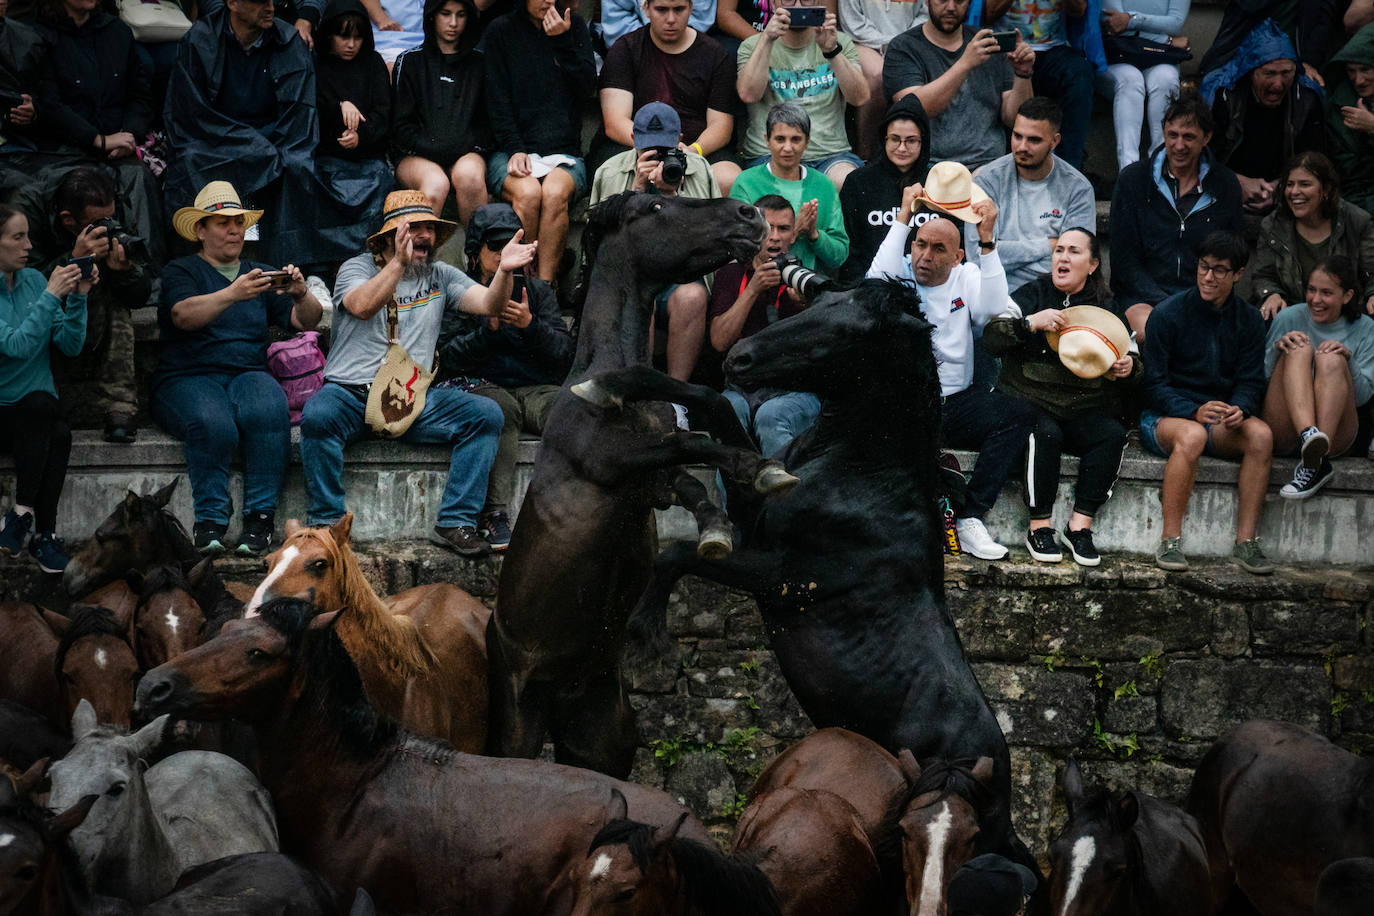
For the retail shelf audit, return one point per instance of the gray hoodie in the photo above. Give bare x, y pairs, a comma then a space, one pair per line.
874, 23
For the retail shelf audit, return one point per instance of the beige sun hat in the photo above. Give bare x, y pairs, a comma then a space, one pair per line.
218, 198
1090, 341
949, 188
415, 207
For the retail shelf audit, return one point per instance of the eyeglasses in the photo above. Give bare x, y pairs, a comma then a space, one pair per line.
904, 141
1216, 270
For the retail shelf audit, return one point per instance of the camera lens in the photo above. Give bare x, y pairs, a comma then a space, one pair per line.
674, 166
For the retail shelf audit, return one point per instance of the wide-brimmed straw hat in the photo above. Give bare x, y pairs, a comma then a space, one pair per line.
1090, 341
218, 198
415, 207
949, 188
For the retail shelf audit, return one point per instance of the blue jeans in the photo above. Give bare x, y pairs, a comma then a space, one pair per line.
1067, 77
333, 417
778, 420
210, 414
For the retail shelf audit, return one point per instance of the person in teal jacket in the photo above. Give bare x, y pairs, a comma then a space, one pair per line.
35, 314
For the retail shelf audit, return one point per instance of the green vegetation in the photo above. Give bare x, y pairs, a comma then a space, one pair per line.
1153, 664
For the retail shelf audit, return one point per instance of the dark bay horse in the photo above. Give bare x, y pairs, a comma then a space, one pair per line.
1277, 804
167, 618
419, 826
1126, 854
583, 545
848, 567
30, 856
139, 533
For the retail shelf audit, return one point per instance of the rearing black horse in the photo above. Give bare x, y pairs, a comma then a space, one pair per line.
848, 568
583, 546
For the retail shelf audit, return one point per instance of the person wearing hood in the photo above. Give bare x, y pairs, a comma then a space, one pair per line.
22, 54
873, 24
1350, 117
872, 195
440, 132
1259, 96
1311, 25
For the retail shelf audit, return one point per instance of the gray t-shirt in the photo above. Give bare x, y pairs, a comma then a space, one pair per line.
423, 294
970, 130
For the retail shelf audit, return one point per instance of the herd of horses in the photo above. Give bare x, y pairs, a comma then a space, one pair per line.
178, 745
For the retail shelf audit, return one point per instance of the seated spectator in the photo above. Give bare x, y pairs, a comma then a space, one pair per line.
814, 68
399, 268
737, 20
873, 24
682, 307
969, 89
621, 17
1204, 365
1037, 193
747, 298
1060, 32
1074, 382
212, 389
520, 364
69, 222
872, 195
1163, 207
33, 316
439, 124
1312, 27
1319, 357
673, 62
539, 73
1310, 223
353, 98
1139, 96
1265, 113
23, 52
821, 242
1350, 118
958, 297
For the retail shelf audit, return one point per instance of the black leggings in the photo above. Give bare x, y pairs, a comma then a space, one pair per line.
1096, 438
33, 429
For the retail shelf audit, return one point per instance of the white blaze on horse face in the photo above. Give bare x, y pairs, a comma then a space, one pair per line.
265, 588
173, 621
1084, 848
6, 839
601, 867
100, 659
933, 875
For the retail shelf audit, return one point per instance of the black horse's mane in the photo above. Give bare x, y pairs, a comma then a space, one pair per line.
712, 881
948, 777
602, 220
167, 526
87, 620
163, 578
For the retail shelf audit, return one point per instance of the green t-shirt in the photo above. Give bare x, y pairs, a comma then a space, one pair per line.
800, 75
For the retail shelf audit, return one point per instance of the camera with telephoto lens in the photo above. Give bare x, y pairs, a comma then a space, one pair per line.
133, 246
674, 166
801, 280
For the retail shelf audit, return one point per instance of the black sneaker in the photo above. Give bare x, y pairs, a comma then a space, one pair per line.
48, 549
1080, 544
1315, 445
14, 533
209, 537
256, 538
464, 539
1042, 545
1307, 481
494, 526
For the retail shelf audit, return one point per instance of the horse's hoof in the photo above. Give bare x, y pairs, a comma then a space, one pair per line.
715, 543
773, 478
593, 392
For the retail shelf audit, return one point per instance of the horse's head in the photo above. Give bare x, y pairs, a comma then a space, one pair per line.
1092, 859
309, 565
629, 867
870, 338
95, 663
939, 825
138, 533
30, 840
167, 618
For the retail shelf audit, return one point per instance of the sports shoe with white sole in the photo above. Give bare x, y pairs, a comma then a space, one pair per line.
975, 540
1315, 445
1042, 546
1307, 481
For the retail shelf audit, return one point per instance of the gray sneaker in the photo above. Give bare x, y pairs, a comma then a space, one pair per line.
1251, 558
1170, 555
463, 539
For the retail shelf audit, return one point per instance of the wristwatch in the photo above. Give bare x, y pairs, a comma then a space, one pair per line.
987, 246
832, 52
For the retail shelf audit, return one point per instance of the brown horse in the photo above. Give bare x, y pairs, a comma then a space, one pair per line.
30, 870
140, 532
1277, 804
422, 654
167, 618
419, 826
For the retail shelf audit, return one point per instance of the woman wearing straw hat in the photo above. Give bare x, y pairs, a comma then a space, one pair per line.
1068, 357
212, 388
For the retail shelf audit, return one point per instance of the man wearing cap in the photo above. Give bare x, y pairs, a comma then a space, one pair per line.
657, 133
958, 297
519, 364
400, 266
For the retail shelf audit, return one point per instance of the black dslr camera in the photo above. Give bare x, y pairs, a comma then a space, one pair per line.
134, 247
674, 166
801, 280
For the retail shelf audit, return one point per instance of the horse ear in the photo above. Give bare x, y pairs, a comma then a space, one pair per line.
982, 770
196, 577
1072, 784
56, 622
619, 808
1127, 809
83, 720
148, 738
293, 525
58, 827
324, 621
664, 836
341, 529
131, 501
910, 768
164, 495
31, 777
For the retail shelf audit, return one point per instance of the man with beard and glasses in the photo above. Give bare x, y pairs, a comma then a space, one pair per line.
400, 265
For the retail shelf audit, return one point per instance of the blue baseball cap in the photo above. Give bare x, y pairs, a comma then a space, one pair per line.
657, 126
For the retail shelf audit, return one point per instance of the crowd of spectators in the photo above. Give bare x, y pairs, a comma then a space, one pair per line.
303, 151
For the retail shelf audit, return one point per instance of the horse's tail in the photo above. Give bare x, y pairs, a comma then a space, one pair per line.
647, 639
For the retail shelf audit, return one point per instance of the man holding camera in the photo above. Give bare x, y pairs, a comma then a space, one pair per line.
75, 221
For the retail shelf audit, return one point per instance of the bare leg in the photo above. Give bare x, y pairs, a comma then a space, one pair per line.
1277, 412
839, 172
1254, 442
1136, 316
726, 173
1335, 397
1184, 440
686, 329
469, 180
869, 116
524, 194
1298, 392
423, 175
553, 221
1078, 521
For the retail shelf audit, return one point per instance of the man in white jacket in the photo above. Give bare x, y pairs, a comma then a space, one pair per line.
956, 297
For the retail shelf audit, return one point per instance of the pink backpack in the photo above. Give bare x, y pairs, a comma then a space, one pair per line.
297, 364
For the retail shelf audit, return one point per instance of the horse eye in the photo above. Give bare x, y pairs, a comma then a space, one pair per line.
115, 790
319, 565
624, 895
1115, 869
256, 654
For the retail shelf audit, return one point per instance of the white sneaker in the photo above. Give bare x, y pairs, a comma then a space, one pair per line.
975, 540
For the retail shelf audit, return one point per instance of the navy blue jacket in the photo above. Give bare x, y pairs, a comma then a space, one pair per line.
509, 357
1195, 353
537, 84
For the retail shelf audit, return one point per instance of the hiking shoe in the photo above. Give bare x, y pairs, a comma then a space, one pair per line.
1307, 481
494, 527
48, 549
464, 539
14, 534
1251, 558
1315, 445
208, 537
256, 538
1080, 544
1170, 555
975, 540
1042, 546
